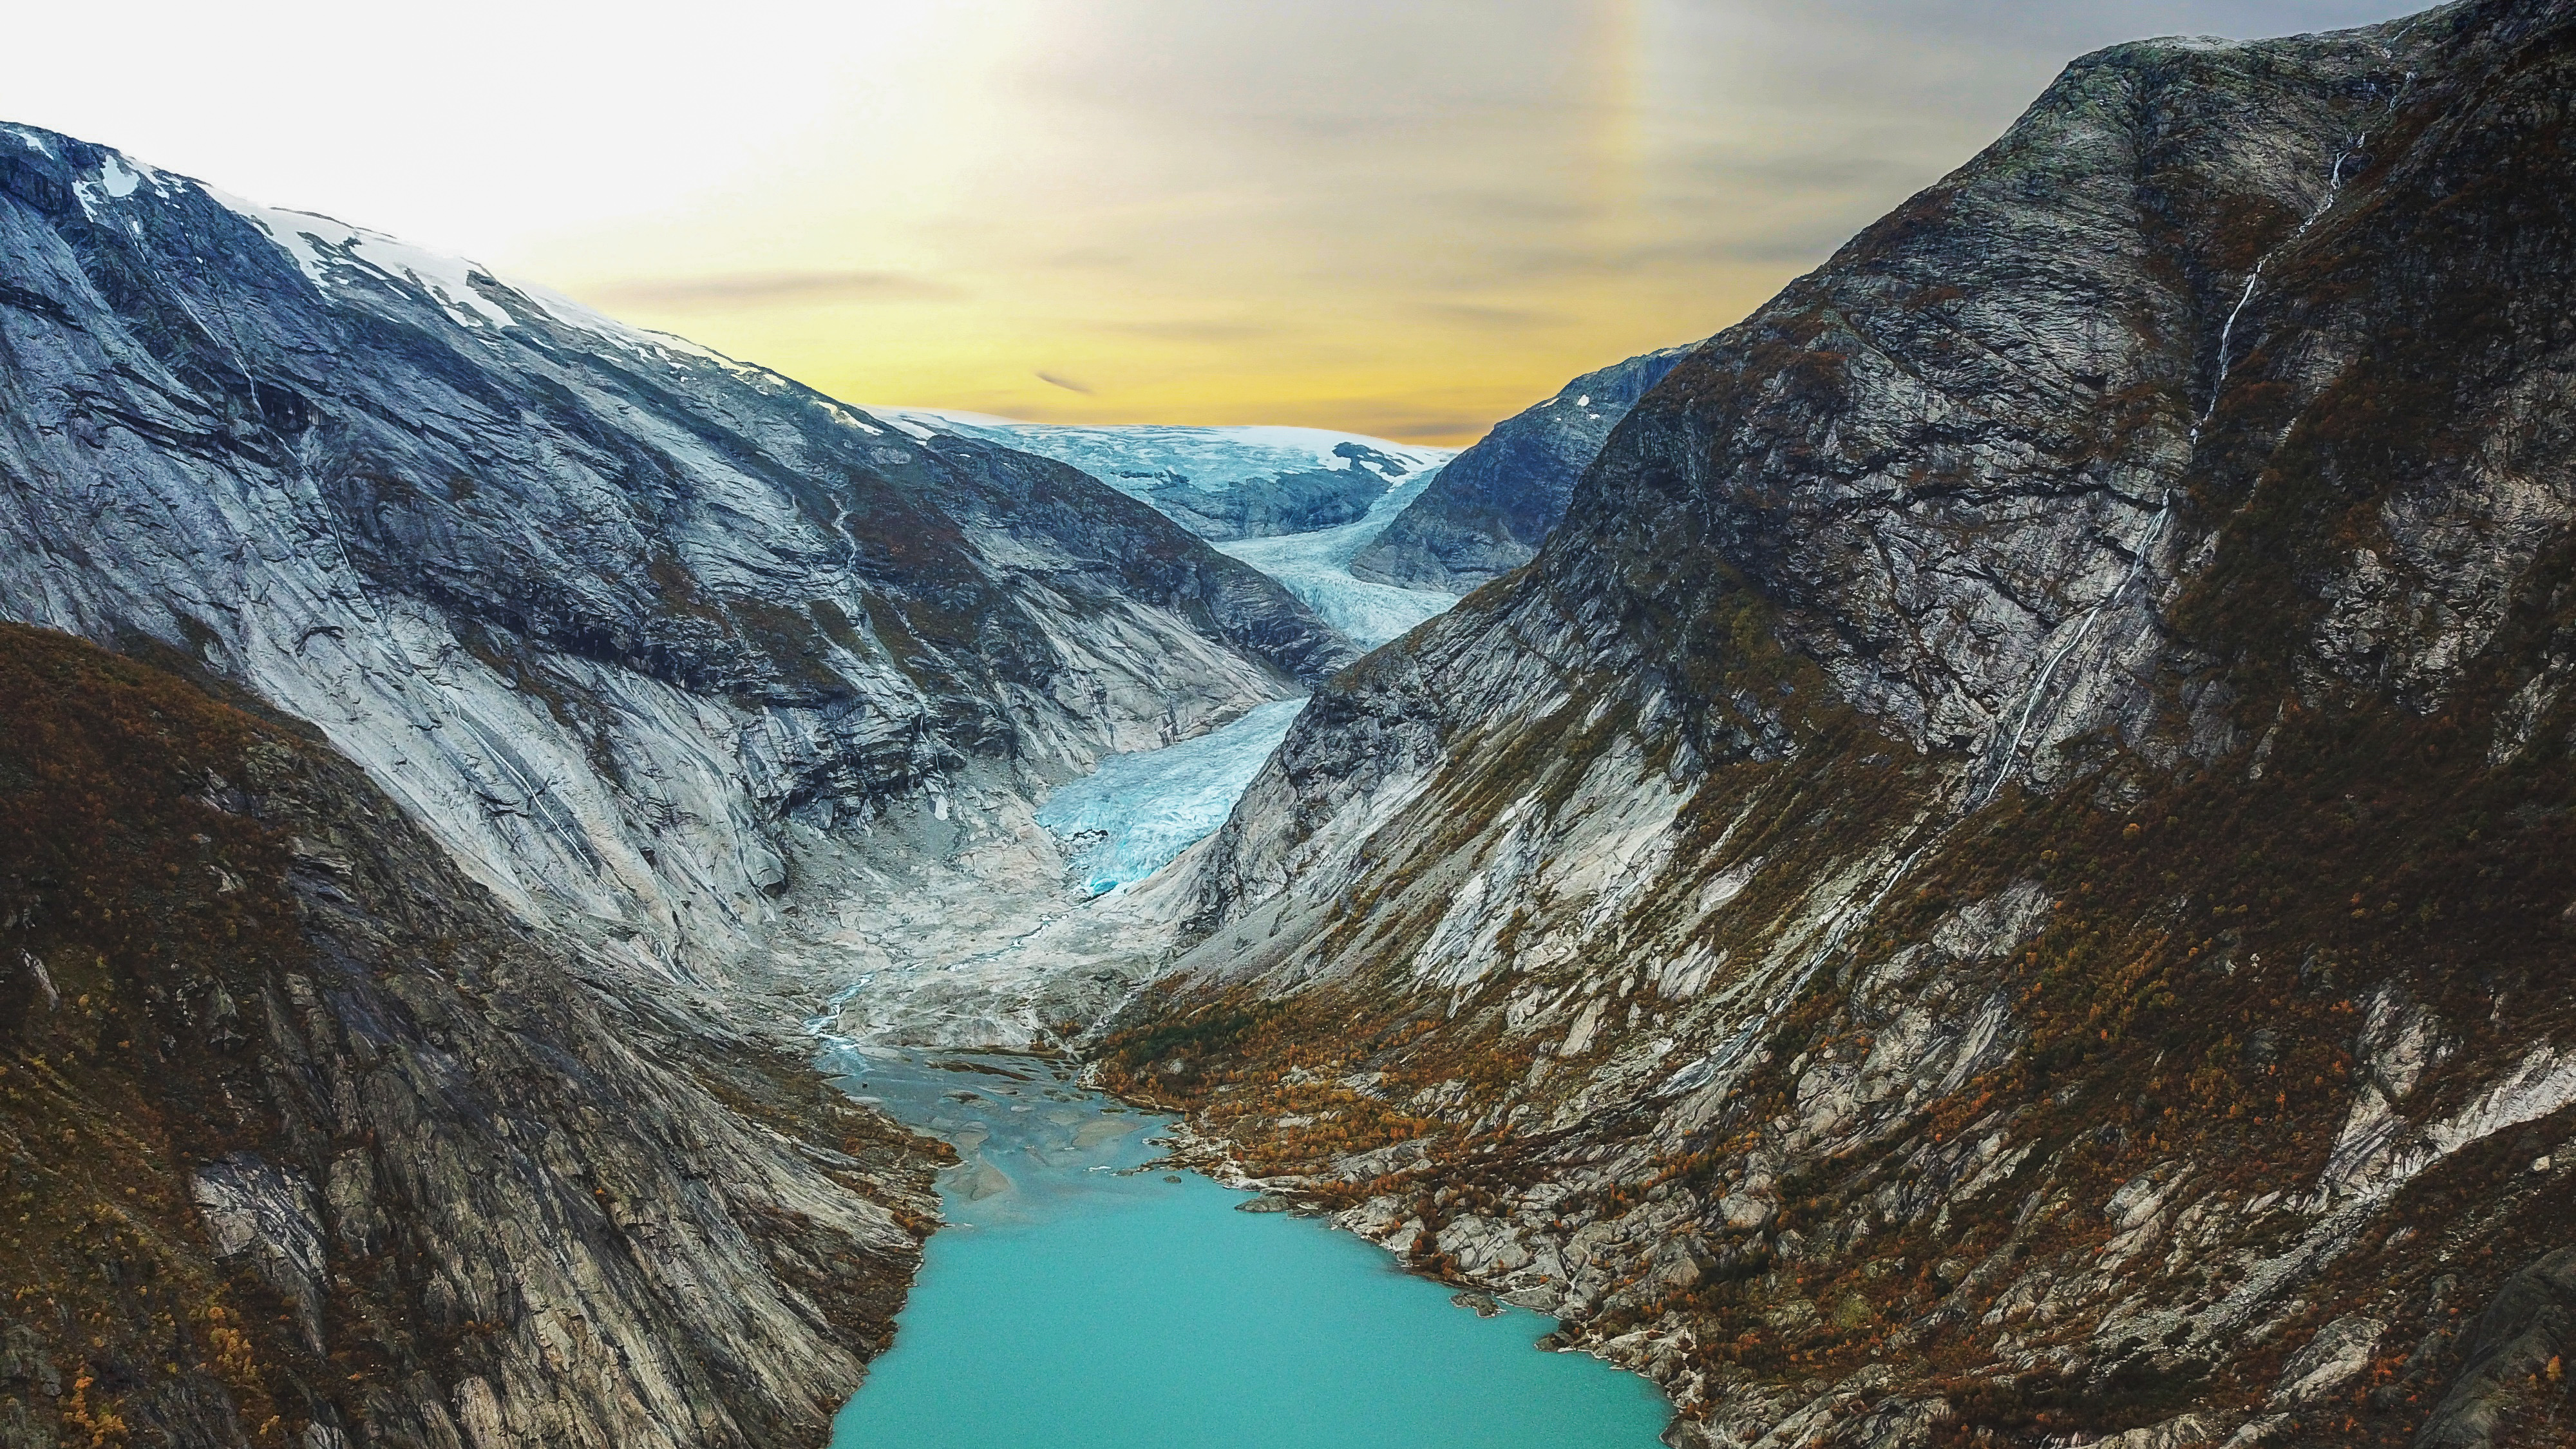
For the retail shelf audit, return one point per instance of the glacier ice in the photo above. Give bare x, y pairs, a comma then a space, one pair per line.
1132, 457
1316, 567
1151, 805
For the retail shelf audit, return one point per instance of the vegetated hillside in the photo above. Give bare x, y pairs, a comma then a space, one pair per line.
1489, 510
647, 637
305, 1142
2010, 871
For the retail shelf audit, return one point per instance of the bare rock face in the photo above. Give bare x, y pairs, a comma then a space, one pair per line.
314, 1144
2513, 1355
2024, 815
1489, 510
657, 643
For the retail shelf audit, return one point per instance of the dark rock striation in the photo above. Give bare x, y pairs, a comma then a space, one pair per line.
1489, 510
2005, 875
640, 632
418, 1080
305, 1141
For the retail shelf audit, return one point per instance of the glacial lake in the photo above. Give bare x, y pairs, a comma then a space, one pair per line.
1072, 1305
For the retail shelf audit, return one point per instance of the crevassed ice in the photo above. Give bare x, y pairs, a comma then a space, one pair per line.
1316, 567
1135, 457
1154, 804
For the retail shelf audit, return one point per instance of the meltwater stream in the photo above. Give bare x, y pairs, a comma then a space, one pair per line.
1082, 1300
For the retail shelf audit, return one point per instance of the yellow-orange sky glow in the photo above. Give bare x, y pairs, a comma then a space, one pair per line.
1407, 220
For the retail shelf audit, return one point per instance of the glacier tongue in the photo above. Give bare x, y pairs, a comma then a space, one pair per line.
1316, 567
1150, 806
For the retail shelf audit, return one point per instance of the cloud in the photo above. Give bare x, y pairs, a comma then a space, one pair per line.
1493, 319
1092, 259
1192, 331
1533, 207
1068, 384
753, 289
1797, 173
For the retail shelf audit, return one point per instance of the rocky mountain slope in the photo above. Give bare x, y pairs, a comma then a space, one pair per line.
308, 1143
1489, 510
2006, 875
670, 652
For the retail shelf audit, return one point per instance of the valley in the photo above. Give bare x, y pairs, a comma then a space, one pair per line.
1985, 857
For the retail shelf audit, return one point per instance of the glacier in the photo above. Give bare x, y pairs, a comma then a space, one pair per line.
1132, 457
1138, 811
1316, 567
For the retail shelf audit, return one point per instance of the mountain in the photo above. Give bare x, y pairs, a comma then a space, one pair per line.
672, 653
1488, 511
404, 978
1218, 482
1295, 503
308, 1141
2005, 874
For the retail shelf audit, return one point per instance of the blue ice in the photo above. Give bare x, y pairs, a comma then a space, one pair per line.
1316, 567
1154, 804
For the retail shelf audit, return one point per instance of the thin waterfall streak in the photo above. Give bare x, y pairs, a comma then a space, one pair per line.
2083, 630
2227, 330
2137, 568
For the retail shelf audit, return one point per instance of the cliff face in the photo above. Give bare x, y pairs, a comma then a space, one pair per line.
2005, 874
308, 1142
658, 644
1489, 510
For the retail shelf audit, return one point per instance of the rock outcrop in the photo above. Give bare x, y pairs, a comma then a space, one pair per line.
1489, 510
667, 649
305, 1140
2004, 876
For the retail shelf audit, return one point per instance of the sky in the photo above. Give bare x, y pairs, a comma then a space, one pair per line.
1404, 219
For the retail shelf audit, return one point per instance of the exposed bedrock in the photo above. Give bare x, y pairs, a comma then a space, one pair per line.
659, 644
2006, 873
1489, 510
304, 1140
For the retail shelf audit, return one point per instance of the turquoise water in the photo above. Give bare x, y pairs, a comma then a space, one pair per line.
1072, 1306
